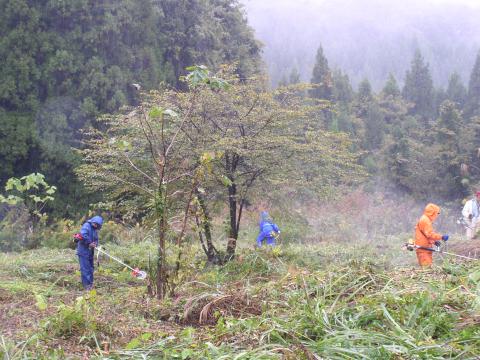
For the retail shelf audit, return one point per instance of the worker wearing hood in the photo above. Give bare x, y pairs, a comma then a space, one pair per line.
85, 249
425, 236
471, 216
268, 230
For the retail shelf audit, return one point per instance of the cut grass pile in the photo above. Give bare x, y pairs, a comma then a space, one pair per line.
291, 302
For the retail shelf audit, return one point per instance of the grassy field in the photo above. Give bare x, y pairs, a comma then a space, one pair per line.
322, 301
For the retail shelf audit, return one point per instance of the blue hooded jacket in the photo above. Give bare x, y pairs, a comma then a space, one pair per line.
89, 235
267, 226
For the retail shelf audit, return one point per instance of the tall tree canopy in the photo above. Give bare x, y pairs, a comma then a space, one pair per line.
63, 63
391, 87
418, 87
473, 100
322, 77
456, 91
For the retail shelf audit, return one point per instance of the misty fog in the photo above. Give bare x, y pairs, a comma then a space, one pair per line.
367, 39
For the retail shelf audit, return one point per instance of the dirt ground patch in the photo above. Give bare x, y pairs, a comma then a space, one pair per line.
19, 315
5, 296
469, 248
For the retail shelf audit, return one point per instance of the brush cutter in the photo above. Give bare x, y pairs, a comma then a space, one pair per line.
275, 235
139, 274
438, 249
463, 222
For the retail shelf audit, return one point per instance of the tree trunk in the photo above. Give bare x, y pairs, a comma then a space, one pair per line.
161, 281
205, 224
233, 233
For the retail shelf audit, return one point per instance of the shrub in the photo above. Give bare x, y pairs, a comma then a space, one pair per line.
77, 320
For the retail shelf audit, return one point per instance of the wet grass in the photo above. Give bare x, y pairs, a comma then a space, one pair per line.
323, 301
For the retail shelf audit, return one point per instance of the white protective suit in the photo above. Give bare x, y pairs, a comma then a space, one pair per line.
471, 216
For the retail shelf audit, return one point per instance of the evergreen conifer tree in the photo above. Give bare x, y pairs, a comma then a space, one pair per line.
365, 91
446, 152
342, 89
294, 77
418, 87
398, 158
322, 78
473, 99
391, 87
456, 91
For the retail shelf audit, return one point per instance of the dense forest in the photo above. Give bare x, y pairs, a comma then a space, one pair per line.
422, 139
247, 193
64, 63
75, 72
367, 39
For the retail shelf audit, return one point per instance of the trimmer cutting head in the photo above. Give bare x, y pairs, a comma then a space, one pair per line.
139, 274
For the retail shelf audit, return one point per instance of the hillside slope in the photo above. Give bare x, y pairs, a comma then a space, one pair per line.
292, 302
367, 39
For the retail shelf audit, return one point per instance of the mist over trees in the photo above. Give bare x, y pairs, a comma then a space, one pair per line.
262, 218
405, 91
421, 139
63, 64
369, 38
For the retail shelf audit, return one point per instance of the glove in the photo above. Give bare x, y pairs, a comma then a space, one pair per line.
437, 243
445, 237
470, 217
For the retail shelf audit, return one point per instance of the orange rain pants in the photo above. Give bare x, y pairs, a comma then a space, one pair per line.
424, 258
425, 236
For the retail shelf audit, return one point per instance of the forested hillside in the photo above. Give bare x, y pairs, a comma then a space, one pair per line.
370, 38
170, 190
64, 63
421, 139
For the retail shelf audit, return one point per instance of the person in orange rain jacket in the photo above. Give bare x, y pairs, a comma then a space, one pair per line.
425, 236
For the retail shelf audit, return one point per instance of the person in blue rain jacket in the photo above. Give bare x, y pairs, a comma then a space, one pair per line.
268, 230
86, 248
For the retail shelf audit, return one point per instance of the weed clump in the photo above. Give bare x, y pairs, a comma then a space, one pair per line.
76, 320
289, 302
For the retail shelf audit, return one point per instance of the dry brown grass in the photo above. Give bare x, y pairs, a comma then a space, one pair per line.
206, 309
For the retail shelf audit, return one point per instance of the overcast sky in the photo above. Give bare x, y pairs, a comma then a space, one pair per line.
474, 3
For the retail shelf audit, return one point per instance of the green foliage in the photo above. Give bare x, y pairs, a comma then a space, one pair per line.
18, 144
391, 87
57, 235
473, 99
200, 75
139, 341
64, 63
398, 158
337, 300
456, 91
447, 152
32, 191
342, 89
235, 141
418, 87
212, 33
321, 78
75, 320
365, 91
419, 131
41, 302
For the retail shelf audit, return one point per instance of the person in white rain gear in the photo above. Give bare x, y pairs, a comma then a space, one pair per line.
471, 216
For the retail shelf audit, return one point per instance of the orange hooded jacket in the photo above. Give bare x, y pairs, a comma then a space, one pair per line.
424, 234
